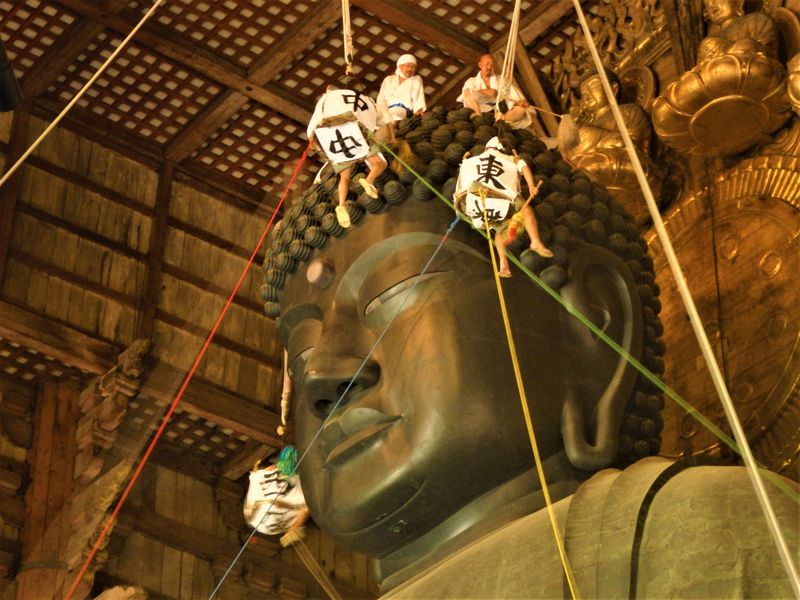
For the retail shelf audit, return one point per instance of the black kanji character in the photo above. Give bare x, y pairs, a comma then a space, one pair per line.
356, 100
341, 145
489, 169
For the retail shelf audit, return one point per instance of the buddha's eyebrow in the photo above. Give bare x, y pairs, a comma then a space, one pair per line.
294, 316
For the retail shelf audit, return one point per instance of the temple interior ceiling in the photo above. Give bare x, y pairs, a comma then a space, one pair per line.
225, 88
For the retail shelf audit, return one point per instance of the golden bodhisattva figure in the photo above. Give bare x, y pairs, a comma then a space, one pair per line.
736, 94
601, 151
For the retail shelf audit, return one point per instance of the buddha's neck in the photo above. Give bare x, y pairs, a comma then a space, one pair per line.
506, 503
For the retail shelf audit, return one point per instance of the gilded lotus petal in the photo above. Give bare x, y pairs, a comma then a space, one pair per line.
723, 106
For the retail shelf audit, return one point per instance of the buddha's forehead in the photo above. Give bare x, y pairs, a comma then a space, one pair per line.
406, 234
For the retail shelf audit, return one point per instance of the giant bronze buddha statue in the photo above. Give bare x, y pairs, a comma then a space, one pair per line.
426, 465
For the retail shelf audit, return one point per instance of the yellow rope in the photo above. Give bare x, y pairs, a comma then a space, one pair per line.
573, 587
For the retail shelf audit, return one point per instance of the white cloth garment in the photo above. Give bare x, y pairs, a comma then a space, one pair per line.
486, 104
409, 93
498, 173
340, 102
273, 501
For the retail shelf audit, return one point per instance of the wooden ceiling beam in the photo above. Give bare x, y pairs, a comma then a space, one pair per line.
453, 87
10, 191
214, 404
78, 349
316, 22
542, 18
59, 341
243, 459
426, 26
167, 455
160, 39
64, 51
155, 254
205, 545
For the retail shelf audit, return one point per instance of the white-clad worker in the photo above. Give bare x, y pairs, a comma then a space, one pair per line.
492, 178
402, 93
479, 94
344, 124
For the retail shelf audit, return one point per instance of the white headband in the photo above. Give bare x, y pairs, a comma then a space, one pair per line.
405, 59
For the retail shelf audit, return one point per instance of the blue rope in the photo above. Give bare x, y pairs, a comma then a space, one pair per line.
341, 397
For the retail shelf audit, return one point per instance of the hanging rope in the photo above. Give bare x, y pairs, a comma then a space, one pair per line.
80, 93
573, 586
694, 317
507, 73
567, 135
347, 39
110, 521
286, 393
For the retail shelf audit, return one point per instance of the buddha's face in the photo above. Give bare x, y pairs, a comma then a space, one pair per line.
593, 97
433, 420
719, 11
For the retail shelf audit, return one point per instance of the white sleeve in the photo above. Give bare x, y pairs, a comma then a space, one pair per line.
418, 101
468, 85
316, 117
383, 102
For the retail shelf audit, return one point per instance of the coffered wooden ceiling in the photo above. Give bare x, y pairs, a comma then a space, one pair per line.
224, 88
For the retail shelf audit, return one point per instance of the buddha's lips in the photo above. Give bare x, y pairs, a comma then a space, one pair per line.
346, 434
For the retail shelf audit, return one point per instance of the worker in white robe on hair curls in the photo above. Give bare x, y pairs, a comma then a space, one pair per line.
480, 95
402, 94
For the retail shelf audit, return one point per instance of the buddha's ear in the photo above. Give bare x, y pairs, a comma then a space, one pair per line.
602, 288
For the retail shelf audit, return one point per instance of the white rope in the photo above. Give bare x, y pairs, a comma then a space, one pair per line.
80, 93
694, 317
507, 74
347, 36
286, 393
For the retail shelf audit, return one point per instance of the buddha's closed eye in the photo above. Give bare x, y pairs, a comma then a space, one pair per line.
395, 291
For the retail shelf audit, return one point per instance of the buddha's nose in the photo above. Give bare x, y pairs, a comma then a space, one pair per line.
331, 377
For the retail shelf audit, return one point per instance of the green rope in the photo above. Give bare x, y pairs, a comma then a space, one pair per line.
652, 377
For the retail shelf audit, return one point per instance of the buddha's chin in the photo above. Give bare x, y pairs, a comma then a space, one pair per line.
349, 514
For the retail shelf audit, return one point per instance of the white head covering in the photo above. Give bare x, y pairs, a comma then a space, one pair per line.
494, 143
404, 60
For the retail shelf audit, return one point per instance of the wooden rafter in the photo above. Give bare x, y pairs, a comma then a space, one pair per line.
529, 80
155, 255
80, 350
9, 192
541, 18
213, 403
205, 545
425, 26
162, 40
455, 83
203, 125
61, 342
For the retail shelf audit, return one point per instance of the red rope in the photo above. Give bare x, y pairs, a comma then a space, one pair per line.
157, 436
